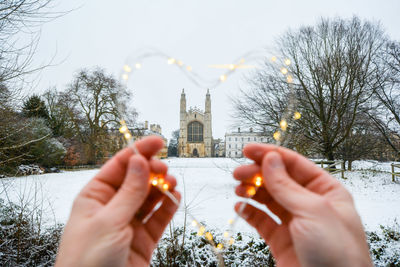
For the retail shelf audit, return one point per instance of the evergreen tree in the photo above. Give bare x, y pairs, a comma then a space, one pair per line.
34, 106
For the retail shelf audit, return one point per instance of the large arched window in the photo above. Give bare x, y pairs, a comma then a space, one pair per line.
195, 132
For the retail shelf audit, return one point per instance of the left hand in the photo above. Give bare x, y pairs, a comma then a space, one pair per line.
106, 225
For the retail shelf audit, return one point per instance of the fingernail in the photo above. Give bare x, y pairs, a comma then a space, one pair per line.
136, 166
275, 161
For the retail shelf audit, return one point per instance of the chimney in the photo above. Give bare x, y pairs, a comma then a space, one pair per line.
238, 129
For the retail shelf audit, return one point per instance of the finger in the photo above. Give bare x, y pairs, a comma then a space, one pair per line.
114, 170
263, 197
154, 197
161, 218
158, 167
263, 223
300, 168
132, 192
246, 172
282, 188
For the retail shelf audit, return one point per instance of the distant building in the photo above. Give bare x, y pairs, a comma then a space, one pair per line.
235, 141
195, 131
219, 148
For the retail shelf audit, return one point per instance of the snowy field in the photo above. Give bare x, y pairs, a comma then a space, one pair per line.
208, 187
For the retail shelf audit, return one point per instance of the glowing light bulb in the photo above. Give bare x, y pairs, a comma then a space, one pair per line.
230, 221
283, 125
232, 66
201, 231
165, 187
226, 234
258, 181
123, 129
284, 71
209, 236
161, 180
273, 59
220, 246
251, 191
138, 65
194, 223
287, 62
154, 182
127, 136
180, 63
125, 76
277, 136
189, 68
231, 241
222, 78
296, 115
289, 79
171, 61
127, 68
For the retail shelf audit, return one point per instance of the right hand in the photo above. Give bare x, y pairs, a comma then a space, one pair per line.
320, 225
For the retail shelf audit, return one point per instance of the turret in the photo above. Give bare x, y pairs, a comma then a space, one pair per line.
183, 102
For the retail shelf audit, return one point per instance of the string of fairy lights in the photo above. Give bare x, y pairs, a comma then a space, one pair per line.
280, 135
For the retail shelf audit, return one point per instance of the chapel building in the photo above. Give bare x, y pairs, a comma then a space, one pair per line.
195, 134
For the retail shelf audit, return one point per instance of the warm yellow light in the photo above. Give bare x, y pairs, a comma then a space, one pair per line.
251, 191
226, 234
284, 71
194, 223
161, 180
123, 129
287, 62
277, 135
138, 65
171, 61
273, 59
220, 246
189, 68
296, 115
231, 241
127, 136
231, 66
222, 78
180, 63
127, 68
230, 221
289, 79
154, 182
209, 236
165, 186
258, 181
201, 231
283, 125
125, 76
241, 61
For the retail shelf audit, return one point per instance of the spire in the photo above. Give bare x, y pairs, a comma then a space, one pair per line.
183, 91
208, 91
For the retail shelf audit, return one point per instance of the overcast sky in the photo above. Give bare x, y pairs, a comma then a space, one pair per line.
108, 33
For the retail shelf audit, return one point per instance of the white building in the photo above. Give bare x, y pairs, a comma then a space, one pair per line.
235, 141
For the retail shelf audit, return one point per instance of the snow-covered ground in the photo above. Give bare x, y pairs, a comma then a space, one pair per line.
208, 187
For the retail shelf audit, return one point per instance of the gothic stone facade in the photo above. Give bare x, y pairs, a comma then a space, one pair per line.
195, 135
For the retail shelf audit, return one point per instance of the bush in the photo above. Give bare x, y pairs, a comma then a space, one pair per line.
23, 242
384, 246
180, 249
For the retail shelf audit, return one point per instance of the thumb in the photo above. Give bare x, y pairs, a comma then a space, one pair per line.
133, 191
282, 188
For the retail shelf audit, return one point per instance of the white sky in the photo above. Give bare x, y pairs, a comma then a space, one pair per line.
106, 33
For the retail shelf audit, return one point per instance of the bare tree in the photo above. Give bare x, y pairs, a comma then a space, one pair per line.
334, 75
97, 103
387, 116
